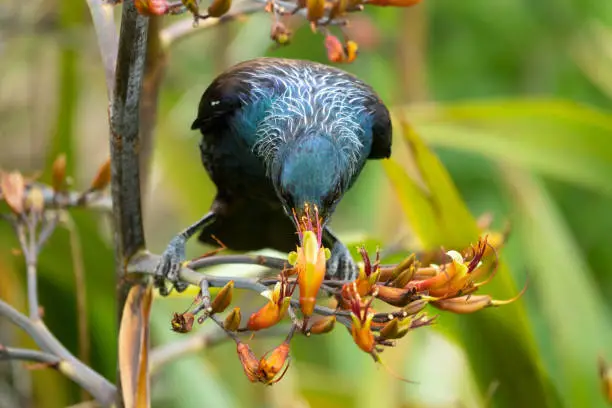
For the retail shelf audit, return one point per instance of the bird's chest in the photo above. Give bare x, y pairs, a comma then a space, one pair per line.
234, 168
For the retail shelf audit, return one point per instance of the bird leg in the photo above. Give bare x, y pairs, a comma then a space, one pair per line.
173, 257
340, 266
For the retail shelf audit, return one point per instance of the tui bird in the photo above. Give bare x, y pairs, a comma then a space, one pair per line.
278, 134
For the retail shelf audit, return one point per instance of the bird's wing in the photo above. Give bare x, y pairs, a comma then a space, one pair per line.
381, 130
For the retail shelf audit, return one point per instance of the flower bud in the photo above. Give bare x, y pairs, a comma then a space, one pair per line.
35, 201
223, 298
362, 335
103, 177
416, 306
323, 325
270, 366
249, 362
398, 297
315, 10
58, 173
396, 328
311, 271
12, 187
219, 8
232, 321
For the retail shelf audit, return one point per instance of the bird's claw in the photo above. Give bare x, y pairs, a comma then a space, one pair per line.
341, 266
169, 267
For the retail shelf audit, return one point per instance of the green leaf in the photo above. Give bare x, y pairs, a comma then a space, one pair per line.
555, 138
578, 325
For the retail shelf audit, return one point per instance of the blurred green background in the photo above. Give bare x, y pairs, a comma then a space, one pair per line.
513, 96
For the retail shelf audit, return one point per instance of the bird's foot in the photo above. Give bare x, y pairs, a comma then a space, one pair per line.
341, 266
169, 266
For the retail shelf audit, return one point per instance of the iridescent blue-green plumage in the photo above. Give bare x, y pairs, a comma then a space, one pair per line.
278, 133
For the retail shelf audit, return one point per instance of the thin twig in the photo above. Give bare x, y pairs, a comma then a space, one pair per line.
102, 390
9, 353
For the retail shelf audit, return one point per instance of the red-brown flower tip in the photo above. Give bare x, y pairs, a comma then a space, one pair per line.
182, 323
271, 365
273, 311
249, 362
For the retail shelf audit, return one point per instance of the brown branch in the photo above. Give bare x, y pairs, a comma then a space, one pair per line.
124, 148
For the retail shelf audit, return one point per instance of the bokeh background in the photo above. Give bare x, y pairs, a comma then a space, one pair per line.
513, 96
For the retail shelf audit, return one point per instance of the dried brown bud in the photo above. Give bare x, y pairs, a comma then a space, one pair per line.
58, 173
323, 325
13, 190
102, 178
280, 33
249, 362
232, 321
182, 323
223, 298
